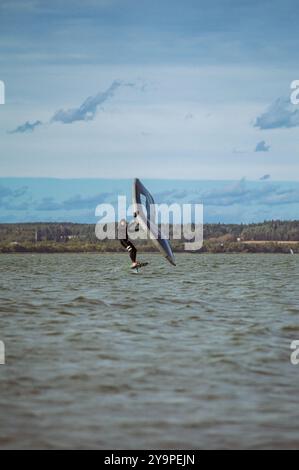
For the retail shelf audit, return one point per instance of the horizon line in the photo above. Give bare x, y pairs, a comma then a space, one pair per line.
65, 178
204, 223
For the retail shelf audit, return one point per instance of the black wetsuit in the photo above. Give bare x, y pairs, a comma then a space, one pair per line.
127, 244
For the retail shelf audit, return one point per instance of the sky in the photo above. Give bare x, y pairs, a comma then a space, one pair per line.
164, 89
75, 200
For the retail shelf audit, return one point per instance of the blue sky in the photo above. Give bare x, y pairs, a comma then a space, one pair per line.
156, 89
75, 200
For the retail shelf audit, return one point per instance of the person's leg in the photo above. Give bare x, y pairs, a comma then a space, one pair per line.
132, 252
130, 249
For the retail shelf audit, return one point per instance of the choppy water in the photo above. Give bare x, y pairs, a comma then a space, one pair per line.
196, 356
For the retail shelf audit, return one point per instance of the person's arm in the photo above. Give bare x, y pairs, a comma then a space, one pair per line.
137, 227
134, 225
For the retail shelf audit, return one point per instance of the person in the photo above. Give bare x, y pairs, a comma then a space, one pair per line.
126, 243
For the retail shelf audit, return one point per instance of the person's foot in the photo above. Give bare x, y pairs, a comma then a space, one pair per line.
134, 265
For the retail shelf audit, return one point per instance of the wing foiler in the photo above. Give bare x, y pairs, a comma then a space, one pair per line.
142, 199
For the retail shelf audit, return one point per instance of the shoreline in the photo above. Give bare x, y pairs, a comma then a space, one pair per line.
249, 246
268, 237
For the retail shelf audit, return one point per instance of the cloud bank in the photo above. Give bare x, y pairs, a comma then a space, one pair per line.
248, 195
49, 200
85, 112
280, 114
262, 147
88, 109
27, 127
241, 192
11, 199
265, 177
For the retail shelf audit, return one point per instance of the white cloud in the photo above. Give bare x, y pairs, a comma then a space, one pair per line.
280, 114
262, 147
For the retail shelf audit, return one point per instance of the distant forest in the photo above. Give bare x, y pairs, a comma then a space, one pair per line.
272, 236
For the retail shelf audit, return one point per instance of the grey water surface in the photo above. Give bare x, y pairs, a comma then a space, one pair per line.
192, 357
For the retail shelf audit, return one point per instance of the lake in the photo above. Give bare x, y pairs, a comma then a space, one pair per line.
192, 357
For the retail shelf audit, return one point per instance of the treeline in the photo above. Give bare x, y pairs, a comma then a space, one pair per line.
113, 246
278, 236
274, 230
54, 232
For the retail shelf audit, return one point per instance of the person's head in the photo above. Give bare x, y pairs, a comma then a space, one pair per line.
122, 229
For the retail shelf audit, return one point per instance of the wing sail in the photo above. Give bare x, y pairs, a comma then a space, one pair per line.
144, 207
